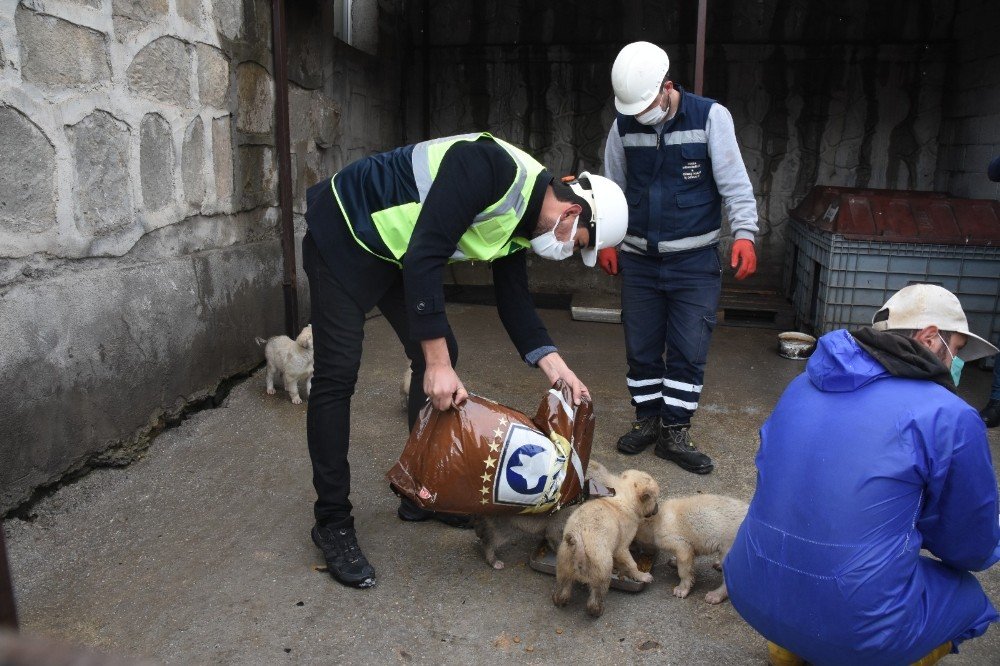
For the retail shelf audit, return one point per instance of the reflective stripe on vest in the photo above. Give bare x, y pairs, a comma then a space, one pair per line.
639, 245
671, 139
491, 234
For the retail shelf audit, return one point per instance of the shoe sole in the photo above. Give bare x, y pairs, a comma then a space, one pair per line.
686, 467
631, 451
460, 522
412, 518
363, 584
452, 520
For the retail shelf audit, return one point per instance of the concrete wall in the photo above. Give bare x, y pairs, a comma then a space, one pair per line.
847, 93
970, 135
139, 250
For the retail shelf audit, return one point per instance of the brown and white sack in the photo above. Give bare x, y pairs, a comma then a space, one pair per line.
486, 458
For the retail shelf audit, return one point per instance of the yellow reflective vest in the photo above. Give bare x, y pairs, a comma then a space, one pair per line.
381, 197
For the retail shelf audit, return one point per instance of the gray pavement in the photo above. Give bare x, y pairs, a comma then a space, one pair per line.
200, 552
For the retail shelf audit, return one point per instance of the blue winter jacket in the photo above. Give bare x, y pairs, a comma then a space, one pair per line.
857, 471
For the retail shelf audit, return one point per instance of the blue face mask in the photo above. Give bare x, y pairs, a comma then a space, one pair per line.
956, 369
956, 363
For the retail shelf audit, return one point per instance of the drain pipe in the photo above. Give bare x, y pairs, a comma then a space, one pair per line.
280, 55
426, 73
8, 610
699, 48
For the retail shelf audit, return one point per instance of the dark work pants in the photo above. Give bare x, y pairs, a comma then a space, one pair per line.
668, 311
338, 331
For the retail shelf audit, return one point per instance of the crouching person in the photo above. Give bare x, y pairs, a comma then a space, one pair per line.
868, 457
380, 234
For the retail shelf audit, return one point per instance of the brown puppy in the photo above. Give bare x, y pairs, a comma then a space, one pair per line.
597, 537
687, 527
494, 532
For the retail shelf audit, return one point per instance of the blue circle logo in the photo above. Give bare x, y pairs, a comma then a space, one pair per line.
527, 466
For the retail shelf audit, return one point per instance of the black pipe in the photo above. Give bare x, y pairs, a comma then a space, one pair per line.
8, 609
426, 22
280, 56
699, 49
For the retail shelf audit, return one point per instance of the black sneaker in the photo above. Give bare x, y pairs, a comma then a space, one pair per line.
991, 412
343, 556
675, 444
412, 513
643, 433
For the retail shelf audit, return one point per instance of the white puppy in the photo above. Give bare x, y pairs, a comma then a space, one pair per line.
597, 536
687, 527
292, 360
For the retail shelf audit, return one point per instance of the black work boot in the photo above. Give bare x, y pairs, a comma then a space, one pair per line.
343, 556
675, 444
412, 513
991, 412
643, 433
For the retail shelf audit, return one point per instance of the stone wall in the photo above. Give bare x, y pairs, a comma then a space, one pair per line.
970, 135
846, 94
139, 251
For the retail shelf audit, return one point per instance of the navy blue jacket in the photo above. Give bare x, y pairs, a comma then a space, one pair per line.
671, 192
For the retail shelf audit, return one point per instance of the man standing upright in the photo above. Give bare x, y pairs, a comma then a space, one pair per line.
675, 155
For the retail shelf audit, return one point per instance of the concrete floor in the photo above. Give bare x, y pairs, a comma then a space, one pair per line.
200, 552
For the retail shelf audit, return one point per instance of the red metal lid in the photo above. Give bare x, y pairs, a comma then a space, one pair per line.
900, 216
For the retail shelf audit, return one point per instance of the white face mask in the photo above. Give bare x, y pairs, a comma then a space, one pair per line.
550, 247
655, 115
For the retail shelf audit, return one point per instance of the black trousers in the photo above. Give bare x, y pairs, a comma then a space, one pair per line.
338, 331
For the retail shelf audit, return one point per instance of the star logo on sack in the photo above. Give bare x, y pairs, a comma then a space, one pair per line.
527, 461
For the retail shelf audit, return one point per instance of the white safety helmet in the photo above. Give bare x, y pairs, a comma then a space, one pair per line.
608, 213
637, 76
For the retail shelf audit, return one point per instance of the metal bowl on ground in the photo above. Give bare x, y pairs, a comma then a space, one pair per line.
795, 346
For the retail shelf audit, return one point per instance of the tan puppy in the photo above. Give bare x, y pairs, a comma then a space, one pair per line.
687, 527
597, 537
292, 360
495, 532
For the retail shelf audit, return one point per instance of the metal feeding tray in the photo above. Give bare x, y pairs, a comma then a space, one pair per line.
544, 560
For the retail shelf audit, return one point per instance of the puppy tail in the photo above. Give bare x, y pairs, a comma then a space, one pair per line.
575, 545
260, 341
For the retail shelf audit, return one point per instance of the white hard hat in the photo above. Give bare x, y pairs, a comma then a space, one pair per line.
637, 76
608, 213
918, 306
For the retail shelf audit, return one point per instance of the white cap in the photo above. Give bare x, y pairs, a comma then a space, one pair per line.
921, 305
